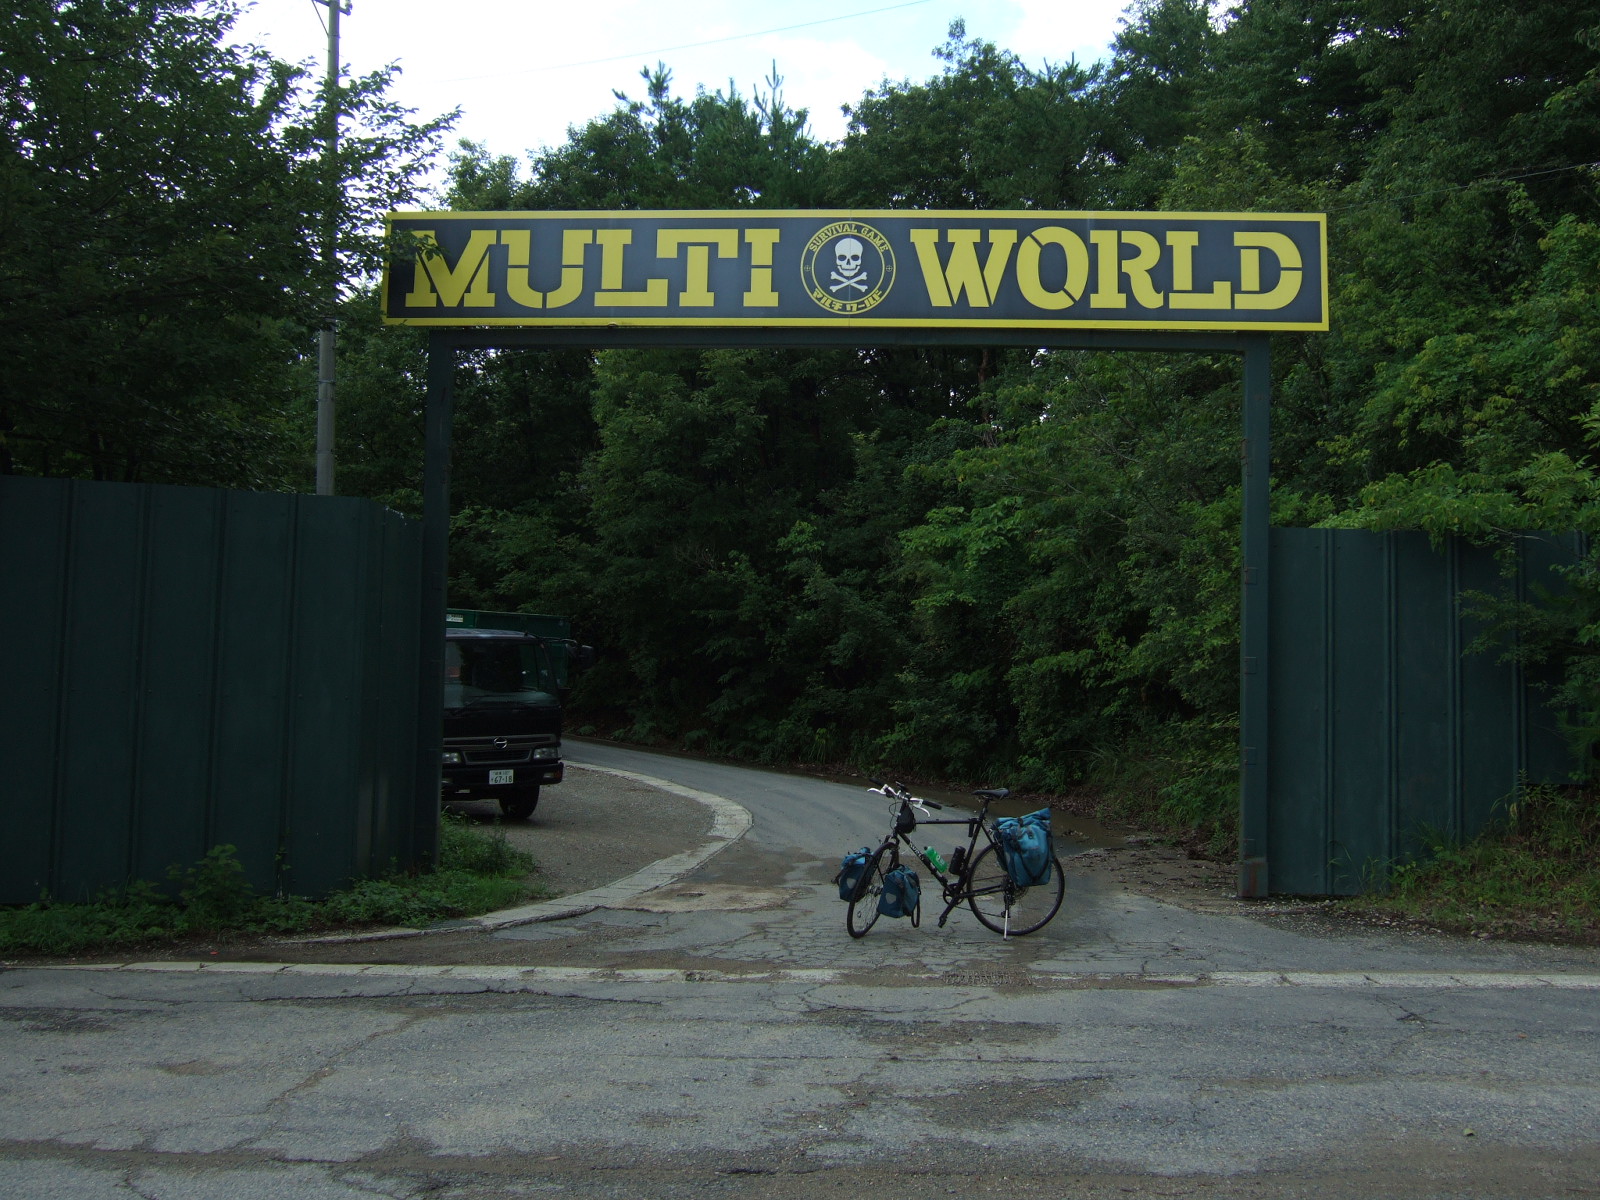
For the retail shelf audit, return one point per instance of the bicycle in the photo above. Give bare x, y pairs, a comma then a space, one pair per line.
975, 876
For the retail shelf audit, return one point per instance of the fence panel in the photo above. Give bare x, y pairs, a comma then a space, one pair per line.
182, 668
1385, 729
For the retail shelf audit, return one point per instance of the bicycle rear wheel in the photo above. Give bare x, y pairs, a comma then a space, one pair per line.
862, 914
1006, 908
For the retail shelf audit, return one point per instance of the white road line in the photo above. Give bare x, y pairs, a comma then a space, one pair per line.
533, 977
1403, 979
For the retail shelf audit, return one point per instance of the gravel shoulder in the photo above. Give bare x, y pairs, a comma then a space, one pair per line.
1148, 866
596, 828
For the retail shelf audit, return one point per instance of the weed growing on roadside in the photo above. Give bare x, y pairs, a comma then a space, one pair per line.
1537, 872
463, 846
478, 872
214, 892
1181, 781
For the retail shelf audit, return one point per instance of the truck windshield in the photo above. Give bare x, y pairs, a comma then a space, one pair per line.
485, 671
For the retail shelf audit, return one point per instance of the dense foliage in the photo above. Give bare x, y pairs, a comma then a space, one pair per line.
985, 564
163, 208
982, 563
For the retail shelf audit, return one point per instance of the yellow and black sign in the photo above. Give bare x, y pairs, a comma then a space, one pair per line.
960, 270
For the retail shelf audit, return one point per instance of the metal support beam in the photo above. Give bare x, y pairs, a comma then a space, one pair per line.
435, 566
1254, 703
326, 360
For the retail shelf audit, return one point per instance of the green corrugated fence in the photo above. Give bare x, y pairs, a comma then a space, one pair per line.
1384, 729
182, 668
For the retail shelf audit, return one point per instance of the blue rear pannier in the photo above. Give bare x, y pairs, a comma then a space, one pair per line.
902, 893
1025, 847
851, 867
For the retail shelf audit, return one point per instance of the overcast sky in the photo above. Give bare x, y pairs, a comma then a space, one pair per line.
523, 71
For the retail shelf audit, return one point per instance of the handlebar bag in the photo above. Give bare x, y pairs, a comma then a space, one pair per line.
851, 867
902, 892
1025, 847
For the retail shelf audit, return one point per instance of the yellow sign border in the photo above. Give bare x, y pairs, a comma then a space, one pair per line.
864, 321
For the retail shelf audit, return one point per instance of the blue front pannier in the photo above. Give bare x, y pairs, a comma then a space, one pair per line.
1025, 847
851, 868
902, 893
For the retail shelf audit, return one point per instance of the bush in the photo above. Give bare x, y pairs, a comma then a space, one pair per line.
478, 872
1537, 872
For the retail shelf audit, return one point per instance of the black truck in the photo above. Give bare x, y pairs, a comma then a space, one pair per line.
503, 691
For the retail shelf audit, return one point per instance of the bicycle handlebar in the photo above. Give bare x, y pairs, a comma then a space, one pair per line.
897, 791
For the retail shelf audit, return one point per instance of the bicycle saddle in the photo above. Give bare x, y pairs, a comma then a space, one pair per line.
993, 793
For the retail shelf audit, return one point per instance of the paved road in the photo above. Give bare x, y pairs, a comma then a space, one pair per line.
721, 1035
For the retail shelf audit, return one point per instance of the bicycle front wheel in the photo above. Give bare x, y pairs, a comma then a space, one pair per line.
862, 914
1006, 908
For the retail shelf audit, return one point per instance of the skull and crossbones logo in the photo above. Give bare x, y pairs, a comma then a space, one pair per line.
848, 269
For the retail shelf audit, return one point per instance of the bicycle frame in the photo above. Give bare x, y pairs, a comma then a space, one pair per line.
983, 881
956, 887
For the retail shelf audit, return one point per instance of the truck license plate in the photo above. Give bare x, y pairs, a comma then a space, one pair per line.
501, 776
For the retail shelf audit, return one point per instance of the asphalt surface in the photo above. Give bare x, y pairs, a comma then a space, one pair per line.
707, 1027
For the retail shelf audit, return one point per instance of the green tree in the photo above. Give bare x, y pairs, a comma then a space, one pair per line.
159, 196
714, 151
1146, 97
987, 132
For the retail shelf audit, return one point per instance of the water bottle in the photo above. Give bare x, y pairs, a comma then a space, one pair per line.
957, 857
931, 857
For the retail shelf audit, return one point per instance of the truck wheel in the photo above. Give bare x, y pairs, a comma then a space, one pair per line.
519, 805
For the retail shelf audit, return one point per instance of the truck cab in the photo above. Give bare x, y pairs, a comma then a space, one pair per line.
502, 719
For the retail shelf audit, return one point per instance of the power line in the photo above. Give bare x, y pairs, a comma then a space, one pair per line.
1493, 180
737, 37
344, 7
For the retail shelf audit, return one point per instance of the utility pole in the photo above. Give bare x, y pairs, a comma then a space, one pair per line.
330, 256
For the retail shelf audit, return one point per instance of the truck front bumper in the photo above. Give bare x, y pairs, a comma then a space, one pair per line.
487, 779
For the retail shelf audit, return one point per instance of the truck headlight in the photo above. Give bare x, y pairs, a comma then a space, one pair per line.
547, 752
452, 756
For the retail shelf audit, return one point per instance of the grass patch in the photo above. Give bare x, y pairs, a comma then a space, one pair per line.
1536, 874
478, 872
1180, 781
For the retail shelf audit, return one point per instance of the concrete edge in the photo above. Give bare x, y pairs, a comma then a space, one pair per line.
730, 822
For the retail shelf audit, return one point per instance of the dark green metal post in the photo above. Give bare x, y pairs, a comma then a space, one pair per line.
1254, 703
435, 557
